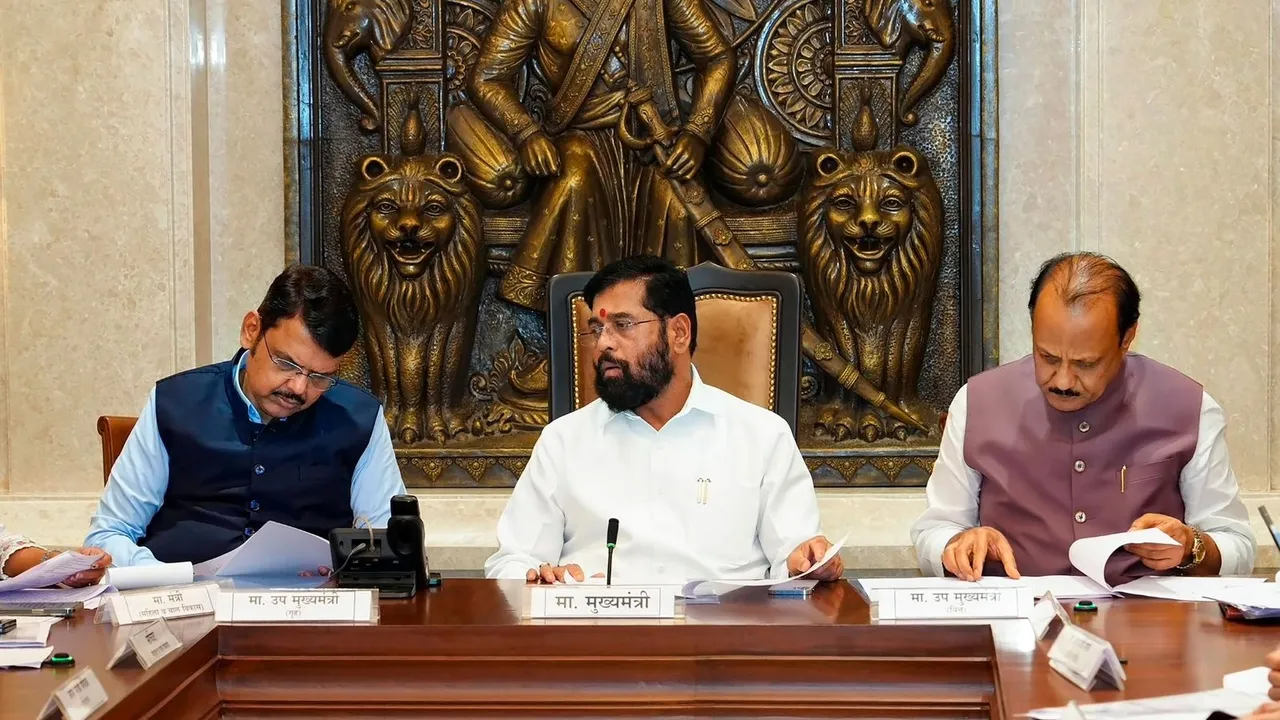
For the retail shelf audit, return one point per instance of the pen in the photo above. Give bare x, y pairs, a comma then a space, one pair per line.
1123, 468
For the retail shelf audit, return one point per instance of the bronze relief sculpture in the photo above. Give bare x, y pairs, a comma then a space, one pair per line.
899, 24
353, 27
871, 251
595, 201
821, 137
412, 245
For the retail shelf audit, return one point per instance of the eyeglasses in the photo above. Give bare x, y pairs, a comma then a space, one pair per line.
620, 328
317, 381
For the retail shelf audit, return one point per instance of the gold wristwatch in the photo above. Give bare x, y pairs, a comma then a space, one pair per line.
1197, 552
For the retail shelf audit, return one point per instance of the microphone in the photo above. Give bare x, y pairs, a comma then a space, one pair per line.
611, 541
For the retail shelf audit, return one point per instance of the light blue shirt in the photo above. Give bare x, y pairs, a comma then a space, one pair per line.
140, 477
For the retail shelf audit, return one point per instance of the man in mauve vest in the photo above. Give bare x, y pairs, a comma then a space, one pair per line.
1080, 439
271, 434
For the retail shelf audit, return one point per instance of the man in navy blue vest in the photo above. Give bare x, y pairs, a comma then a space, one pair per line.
271, 434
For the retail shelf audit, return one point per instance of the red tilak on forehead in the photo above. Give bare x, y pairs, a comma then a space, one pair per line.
603, 313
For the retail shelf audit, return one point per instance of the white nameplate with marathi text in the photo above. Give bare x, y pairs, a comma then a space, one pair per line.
77, 698
304, 606
178, 601
602, 601
1086, 659
149, 644
947, 602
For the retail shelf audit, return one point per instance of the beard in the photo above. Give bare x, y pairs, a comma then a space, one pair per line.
634, 389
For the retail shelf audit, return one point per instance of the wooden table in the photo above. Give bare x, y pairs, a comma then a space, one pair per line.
463, 651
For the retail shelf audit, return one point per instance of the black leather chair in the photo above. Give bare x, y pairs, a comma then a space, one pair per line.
748, 337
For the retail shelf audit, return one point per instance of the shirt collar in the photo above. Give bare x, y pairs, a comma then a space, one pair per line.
254, 415
701, 398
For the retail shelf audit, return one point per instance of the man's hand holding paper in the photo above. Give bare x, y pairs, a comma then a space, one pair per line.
1168, 557
813, 551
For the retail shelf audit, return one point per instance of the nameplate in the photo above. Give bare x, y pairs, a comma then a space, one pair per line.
1085, 659
77, 698
1046, 611
301, 606
600, 601
177, 601
149, 644
947, 602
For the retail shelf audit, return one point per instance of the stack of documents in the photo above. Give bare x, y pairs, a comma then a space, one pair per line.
50, 572
45, 597
706, 590
1258, 601
27, 645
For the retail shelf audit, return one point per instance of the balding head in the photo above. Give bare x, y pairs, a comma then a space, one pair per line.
1081, 278
1078, 302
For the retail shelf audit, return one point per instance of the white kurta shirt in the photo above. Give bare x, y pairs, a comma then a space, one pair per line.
593, 464
1208, 486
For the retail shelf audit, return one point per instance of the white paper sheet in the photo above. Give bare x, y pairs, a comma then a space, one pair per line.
51, 596
30, 632
1258, 595
719, 587
1089, 555
1186, 589
145, 576
1170, 707
1250, 682
1067, 587
24, 657
276, 549
50, 572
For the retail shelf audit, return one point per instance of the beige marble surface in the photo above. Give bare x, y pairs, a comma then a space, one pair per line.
1038, 153
246, 161
89, 229
1184, 186
141, 192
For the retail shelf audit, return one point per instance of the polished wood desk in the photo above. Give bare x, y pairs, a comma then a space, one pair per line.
463, 651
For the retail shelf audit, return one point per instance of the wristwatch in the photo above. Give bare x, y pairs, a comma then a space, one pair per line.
1197, 552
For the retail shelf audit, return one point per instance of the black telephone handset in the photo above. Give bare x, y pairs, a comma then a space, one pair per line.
405, 536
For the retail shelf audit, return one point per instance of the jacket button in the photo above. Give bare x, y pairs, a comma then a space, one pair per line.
248, 532
1084, 427
253, 505
1081, 517
1079, 466
258, 469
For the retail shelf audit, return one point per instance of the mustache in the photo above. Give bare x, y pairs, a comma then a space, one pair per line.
1064, 393
608, 357
290, 397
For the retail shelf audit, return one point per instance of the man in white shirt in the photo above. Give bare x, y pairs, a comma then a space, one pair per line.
1082, 438
704, 485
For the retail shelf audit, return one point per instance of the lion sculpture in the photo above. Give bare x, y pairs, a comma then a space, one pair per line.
412, 244
870, 254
